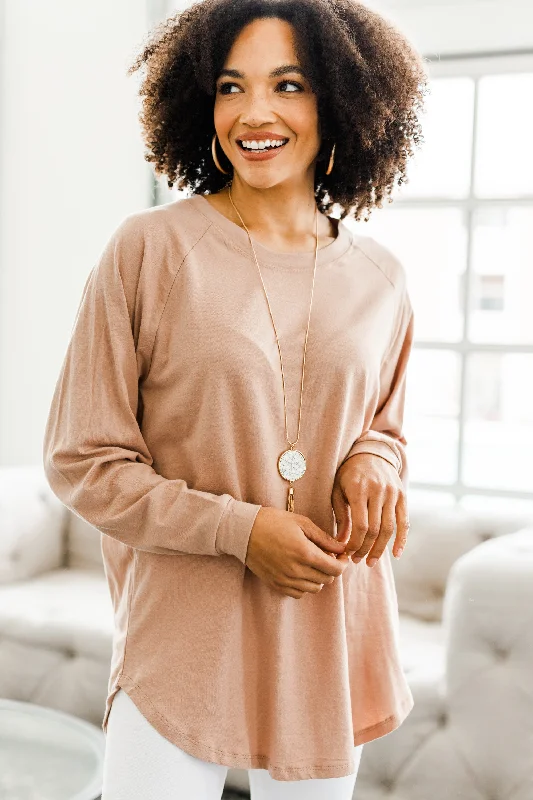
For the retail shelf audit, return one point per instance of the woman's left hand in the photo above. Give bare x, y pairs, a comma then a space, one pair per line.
369, 502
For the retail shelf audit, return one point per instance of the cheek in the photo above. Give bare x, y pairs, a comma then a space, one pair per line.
222, 118
304, 122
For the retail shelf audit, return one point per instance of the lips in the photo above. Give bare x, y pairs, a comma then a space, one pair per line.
261, 136
261, 149
257, 154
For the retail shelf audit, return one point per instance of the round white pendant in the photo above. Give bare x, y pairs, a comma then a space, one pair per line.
291, 465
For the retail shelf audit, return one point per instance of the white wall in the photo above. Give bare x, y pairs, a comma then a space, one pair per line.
441, 27
71, 161
72, 166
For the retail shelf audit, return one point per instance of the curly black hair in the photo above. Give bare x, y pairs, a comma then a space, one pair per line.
368, 79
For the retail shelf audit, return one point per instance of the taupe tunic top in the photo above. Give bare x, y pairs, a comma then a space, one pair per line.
164, 433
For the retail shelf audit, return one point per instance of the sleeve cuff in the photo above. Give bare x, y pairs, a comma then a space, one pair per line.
235, 527
378, 449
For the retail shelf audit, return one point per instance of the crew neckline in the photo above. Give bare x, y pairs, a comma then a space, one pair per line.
238, 238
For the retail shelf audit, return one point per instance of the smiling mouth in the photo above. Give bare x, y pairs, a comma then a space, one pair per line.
250, 149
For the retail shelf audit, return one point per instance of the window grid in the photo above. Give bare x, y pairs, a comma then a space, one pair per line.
474, 65
469, 205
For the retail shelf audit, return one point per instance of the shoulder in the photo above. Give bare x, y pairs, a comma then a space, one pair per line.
177, 222
148, 246
383, 259
392, 270
146, 250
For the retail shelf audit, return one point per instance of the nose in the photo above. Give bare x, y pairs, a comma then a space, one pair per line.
257, 110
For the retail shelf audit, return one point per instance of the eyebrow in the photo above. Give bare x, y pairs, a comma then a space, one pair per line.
234, 73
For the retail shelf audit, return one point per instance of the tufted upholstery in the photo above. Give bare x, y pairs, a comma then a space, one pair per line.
463, 596
470, 734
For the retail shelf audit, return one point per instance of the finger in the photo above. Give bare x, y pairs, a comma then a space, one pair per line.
319, 537
347, 556
388, 524
303, 585
322, 563
295, 585
359, 515
341, 509
402, 525
375, 504
309, 574
287, 591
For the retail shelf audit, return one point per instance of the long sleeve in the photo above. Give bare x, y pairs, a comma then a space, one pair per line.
385, 435
94, 454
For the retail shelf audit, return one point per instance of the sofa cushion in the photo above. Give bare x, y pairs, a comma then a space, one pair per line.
65, 609
83, 545
422, 646
437, 538
33, 525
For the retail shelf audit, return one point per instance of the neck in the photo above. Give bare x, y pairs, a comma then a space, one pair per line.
278, 214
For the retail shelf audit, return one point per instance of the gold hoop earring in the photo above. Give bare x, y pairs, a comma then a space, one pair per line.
215, 159
331, 160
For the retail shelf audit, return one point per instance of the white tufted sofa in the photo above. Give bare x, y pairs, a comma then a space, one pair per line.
465, 593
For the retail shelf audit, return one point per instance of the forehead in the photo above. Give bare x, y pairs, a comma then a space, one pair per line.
263, 42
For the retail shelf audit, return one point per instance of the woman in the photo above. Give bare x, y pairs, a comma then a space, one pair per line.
229, 412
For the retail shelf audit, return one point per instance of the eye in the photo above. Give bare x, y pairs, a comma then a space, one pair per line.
293, 83
225, 87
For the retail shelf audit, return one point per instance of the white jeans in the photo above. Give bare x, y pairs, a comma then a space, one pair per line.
141, 764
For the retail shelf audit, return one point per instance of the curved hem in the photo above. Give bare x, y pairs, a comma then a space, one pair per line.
335, 769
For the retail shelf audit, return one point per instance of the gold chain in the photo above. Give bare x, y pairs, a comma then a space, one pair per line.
291, 463
274, 325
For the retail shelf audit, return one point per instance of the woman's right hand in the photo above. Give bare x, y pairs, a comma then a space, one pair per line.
283, 552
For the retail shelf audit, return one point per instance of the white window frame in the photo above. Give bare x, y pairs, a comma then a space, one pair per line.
474, 65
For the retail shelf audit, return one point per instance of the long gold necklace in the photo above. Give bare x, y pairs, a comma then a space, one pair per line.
291, 462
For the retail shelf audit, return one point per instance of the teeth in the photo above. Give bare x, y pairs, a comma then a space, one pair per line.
262, 144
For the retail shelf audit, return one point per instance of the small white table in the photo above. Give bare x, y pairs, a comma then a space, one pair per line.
47, 754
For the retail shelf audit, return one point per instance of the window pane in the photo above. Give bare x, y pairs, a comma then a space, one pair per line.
502, 275
440, 166
504, 167
427, 499
431, 415
519, 510
499, 421
431, 244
